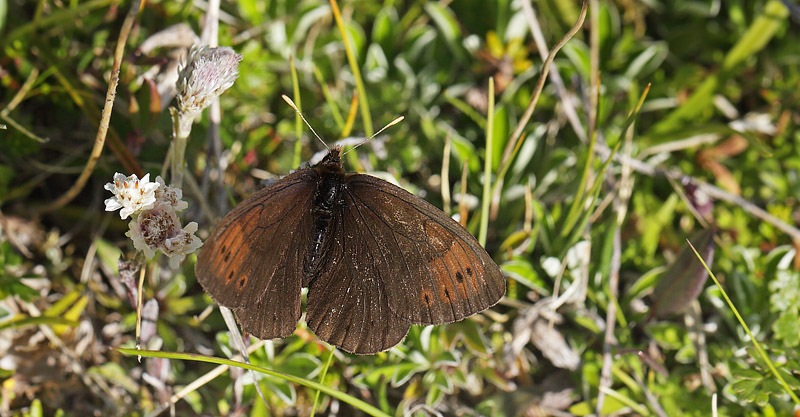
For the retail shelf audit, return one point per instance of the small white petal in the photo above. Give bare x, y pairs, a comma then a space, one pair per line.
112, 204
169, 195
184, 243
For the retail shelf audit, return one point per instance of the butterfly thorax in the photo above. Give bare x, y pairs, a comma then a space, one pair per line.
326, 196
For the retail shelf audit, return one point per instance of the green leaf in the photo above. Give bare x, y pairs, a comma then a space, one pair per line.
252, 10
114, 372
404, 372
3, 12
445, 20
36, 409
760, 32
383, 26
434, 396
521, 270
11, 285
747, 373
787, 328
284, 390
785, 289
474, 339
668, 335
302, 364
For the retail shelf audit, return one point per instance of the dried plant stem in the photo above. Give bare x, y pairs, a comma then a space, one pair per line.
609, 340
139, 299
712, 190
526, 116
210, 37
102, 130
693, 319
555, 76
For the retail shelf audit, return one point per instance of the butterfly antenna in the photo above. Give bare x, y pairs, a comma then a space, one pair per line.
392, 123
291, 103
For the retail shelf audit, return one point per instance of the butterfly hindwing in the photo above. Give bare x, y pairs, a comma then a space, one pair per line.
347, 303
433, 270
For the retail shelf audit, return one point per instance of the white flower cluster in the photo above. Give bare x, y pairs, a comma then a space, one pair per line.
154, 209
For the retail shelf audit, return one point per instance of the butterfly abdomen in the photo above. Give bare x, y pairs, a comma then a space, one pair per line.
326, 197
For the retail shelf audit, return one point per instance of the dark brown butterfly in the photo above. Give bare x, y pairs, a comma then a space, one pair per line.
375, 258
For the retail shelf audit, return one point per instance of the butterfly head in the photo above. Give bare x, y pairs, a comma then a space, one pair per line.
332, 162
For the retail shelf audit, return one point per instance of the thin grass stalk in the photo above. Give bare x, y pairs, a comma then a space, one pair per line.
487, 167
446, 174
753, 339
351, 117
298, 122
579, 202
463, 209
355, 402
139, 302
18, 97
322, 378
335, 112
351, 59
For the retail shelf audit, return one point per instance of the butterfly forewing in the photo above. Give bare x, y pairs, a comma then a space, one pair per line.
433, 270
253, 263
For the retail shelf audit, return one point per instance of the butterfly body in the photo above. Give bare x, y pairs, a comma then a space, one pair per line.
374, 257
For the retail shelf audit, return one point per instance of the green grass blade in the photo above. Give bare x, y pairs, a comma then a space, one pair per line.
351, 59
335, 112
34, 321
572, 218
322, 379
487, 168
753, 339
355, 402
298, 121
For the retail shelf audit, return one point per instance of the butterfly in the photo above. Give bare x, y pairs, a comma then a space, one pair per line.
375, 259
